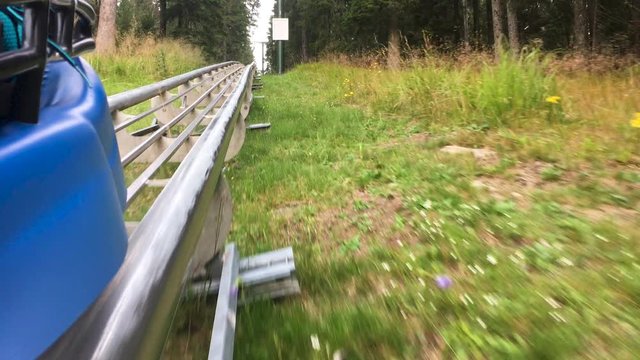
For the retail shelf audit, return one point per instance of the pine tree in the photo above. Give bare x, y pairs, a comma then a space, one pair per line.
498, 25
579, 25
512, 21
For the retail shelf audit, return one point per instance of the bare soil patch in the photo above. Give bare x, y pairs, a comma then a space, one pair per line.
484, 156
520, 182
288, 210
365, 217
369, 217
611, 213
517, 184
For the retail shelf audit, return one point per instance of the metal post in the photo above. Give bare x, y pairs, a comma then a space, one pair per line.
280, 41
262, 68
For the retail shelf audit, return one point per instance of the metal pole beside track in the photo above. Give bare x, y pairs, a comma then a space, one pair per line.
262, 68
280, 41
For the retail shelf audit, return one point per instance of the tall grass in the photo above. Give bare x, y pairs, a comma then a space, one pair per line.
512, 88
463, 97
442, 91
143, 60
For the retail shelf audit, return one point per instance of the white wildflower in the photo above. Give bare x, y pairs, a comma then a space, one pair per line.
484, 326
315, 342
566, 262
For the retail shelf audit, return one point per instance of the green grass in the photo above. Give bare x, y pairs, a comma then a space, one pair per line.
543, 255
541, 244
142, 61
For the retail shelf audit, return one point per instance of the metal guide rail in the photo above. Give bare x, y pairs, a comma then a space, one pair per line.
197, 120
77, 284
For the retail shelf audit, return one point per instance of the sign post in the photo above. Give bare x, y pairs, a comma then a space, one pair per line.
280, 40
280, 28
262, 57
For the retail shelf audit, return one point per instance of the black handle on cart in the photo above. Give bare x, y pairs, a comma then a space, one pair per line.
27, 63
83, 32
65, 24
61, 23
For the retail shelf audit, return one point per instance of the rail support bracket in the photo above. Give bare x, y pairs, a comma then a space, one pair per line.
264, 276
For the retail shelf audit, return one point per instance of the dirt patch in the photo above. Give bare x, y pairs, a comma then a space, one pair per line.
517, 185
365, 219
484, 156
489, 237
610, 213
288, 210
528, 175
433, 346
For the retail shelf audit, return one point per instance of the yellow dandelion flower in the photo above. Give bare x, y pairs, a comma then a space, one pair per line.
553, 99
635, 122
351, 93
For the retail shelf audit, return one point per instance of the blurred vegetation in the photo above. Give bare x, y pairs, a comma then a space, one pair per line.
220, 28
539, 241
357, 27
144, 60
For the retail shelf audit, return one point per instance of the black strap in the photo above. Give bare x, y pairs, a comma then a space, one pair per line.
6, 92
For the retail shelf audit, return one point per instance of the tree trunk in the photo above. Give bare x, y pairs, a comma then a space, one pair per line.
393, 53
635, 25
163, 18
579, 25
595, 6
467, 17
456, 20
489, 9
106, 37
476, 21
303, 42
498, 33
512, 20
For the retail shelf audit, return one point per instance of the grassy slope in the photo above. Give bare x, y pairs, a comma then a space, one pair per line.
142, 61
541, 245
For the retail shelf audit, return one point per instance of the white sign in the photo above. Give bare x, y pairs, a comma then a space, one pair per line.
280, 28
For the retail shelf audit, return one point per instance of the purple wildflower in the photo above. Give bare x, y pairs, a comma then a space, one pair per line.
443, 281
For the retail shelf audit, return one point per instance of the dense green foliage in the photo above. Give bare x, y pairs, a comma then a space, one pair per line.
136, 16
356, 26
219, 27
